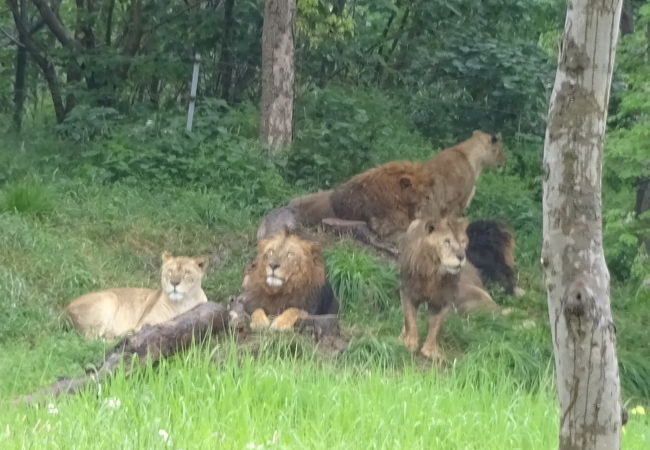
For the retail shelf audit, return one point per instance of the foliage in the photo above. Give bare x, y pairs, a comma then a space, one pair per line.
338, 124
27, 197
362, 280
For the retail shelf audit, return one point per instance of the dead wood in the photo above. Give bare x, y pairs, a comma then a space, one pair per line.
153, 342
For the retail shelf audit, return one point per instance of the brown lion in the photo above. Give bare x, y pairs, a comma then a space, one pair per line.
116, 311
286, 280
390, 196
434, 270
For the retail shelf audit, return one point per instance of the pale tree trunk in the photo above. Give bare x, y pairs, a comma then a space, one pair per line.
577, 279
277, 73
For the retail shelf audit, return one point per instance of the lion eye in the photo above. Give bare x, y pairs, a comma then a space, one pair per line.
447, 242
290, 255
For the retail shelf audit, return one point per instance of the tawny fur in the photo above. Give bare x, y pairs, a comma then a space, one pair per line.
116, 311
287, 280
388, 197
432, 261
310, 209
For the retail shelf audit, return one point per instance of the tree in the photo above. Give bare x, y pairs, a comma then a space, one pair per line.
277, 73
577, 279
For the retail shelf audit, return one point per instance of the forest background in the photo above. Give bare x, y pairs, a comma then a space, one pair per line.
98, 176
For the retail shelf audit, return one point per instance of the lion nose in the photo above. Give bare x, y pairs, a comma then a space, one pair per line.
175, 282
461, 257
274, 266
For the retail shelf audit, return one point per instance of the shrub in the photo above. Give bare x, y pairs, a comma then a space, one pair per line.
27, 197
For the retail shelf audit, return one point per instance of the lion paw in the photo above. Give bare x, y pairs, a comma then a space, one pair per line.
287, 319
433, 353
411, 342
259, 319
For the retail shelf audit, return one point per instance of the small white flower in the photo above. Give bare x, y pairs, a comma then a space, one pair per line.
52, 409
113, 402
163, 434
148, 123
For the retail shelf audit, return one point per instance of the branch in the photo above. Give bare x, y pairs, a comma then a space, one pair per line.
11, 38
55, 25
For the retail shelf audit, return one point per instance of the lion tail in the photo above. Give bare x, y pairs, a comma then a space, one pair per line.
491, 249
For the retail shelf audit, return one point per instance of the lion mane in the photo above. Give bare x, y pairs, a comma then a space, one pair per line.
113, 312
286, 280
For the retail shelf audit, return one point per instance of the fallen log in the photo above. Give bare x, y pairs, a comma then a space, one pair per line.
152, 343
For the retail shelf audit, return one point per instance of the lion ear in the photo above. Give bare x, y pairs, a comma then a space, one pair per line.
202, 262
430, 226
405, 182
166, 256
496, 138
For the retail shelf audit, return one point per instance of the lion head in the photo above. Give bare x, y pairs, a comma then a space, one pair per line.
181, 276
435, 246
493, 154
287, 263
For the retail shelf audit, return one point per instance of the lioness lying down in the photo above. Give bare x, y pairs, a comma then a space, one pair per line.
434, 270
116, 311
287, 282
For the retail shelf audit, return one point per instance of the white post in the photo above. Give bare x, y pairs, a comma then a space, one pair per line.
195, 82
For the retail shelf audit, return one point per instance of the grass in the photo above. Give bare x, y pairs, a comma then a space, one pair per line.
62, 237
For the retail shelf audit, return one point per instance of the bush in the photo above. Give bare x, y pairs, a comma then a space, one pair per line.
340, 132
27, 197
362, 282
212, 155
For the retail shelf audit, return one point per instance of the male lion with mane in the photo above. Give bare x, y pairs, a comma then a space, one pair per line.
116, 311
286, 280
434, 270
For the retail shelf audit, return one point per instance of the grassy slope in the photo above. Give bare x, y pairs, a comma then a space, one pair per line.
496, 393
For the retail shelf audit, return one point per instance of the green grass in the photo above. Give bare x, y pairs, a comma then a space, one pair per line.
278, 401
62, 237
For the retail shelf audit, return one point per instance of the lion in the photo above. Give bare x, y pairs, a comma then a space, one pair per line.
286, 280
433, 270
114, 312
390, 196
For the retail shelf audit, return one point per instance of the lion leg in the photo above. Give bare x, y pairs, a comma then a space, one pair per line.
288, 318
409, 336
259, 319
430, 347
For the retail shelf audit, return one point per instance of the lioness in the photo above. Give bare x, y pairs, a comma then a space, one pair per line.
287, 280
390, 196
116, 311
432, 261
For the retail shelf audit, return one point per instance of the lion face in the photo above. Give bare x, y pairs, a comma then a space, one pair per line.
181, 275
447, 240
493, 145
285, 259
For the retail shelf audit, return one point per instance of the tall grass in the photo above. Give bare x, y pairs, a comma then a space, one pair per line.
274, 401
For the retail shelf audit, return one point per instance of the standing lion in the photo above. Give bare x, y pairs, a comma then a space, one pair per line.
434, 270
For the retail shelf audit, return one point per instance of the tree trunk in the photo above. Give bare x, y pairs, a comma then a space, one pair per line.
277, 73
642, 205
577, 279
20, 81
627, 18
